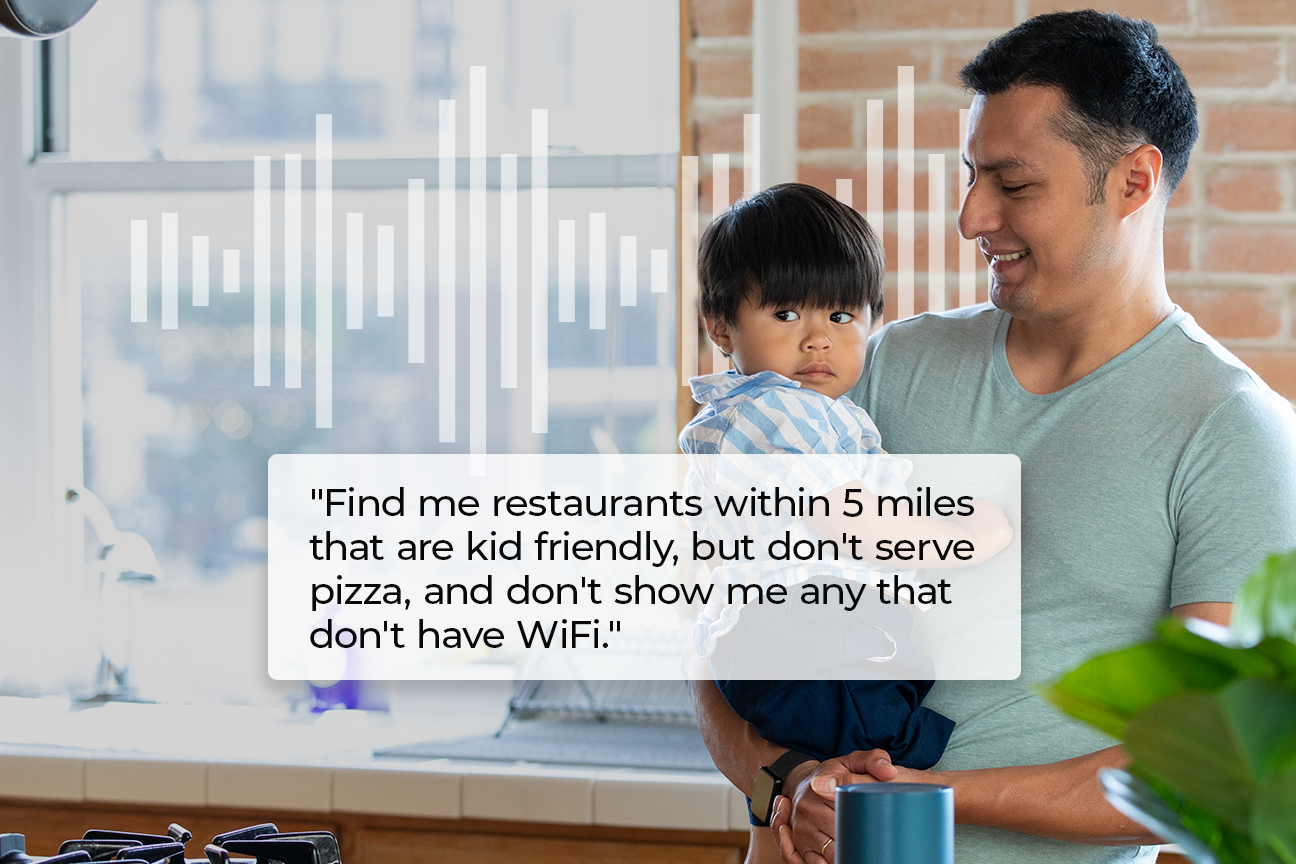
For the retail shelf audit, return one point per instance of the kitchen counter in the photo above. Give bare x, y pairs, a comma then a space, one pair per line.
123, 758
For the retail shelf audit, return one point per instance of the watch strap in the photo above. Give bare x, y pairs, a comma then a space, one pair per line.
783, 765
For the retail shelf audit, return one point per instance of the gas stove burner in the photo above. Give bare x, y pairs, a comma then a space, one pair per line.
264, 842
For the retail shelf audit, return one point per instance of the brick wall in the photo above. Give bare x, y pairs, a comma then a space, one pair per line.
1230, 238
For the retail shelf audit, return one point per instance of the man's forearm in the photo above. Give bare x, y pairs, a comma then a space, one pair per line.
1061, 800
738, 751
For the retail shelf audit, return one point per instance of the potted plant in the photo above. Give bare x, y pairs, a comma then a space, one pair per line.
1208, 716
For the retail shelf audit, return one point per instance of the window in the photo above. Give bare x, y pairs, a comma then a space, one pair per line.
169, 103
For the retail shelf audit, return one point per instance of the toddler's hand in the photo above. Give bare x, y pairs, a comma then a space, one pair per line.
991, 531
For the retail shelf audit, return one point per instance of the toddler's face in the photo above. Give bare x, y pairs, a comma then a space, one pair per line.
821, 348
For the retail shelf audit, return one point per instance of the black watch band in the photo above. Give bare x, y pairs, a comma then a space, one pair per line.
769, 783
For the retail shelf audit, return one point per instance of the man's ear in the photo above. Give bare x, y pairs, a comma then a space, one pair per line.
720, 332
1140, 175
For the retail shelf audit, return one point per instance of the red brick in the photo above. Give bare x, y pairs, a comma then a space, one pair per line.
1241, 128
826, 16
1227, 64
1182, 196
956, 57
1242, 190
705, 186
1178, 248
721, 17
1232, 314
824, 126
1244, 12
914, 15
825, 177
720, 134
1239, 249
1156, 11
860, 69
723, 76
1277, 368
890, 242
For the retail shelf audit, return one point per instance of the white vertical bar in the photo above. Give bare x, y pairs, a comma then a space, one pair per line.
873, 193
386, 267
232, 271
935, 232
846, 192
629, 270
446, 272
139, 271
355, 271
719, 184
292, 270
508, 270
417, 277
751, 154
905, 189
170, 270
261, 271
201, 270
774, 86
967, 247
477, 260
688, 198
659, 262
323, 271
539, 270
598, 271
566, 270
719, 203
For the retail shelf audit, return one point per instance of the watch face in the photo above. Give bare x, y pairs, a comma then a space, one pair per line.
762, 802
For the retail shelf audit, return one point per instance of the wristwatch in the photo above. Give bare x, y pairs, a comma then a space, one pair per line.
769, 783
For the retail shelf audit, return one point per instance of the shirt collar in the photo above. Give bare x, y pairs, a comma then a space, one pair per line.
712, 388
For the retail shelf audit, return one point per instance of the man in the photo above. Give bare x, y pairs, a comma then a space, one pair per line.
1157, 471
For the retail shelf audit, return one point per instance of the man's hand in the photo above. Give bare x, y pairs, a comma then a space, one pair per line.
804, 822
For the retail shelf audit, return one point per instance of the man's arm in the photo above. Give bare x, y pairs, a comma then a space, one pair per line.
1059, 800
735, 747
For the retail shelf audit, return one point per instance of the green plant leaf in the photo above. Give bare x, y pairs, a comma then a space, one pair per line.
1108, 690
1245, 662
1262, 715
1137, 800
1230, 846
1273, 819
1187, 741
1266, 604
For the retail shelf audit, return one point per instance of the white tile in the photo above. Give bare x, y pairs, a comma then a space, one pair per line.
739, 815
657, 800
279, 787
146, 781
528, 793
422, 789
51, 778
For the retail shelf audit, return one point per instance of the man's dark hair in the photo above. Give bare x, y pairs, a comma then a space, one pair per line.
1123, 87
791, 245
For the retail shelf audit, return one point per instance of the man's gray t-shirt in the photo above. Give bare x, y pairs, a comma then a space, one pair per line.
1162, 478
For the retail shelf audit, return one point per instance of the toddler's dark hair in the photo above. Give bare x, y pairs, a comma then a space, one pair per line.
792, 245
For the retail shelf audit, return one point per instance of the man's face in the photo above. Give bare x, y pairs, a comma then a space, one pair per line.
1028, 207
821, 348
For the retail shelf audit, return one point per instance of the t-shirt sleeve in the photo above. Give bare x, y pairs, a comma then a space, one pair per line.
859, 394
1234, 496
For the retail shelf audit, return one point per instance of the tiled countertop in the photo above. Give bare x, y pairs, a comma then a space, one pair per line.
266, 758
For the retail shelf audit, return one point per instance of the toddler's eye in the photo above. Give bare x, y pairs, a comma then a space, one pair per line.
786, 315
841, 317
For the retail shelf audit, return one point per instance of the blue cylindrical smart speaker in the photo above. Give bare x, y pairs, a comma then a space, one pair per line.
895, 823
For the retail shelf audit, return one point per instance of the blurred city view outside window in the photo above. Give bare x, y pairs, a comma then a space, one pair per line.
176, 437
